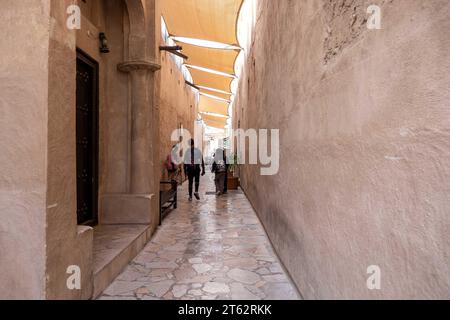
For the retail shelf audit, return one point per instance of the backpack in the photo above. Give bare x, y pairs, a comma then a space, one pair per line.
221, 167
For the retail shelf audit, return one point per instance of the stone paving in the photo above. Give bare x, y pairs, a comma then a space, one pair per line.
210, 249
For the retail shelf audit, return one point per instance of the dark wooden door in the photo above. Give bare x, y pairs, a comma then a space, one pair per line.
87, 140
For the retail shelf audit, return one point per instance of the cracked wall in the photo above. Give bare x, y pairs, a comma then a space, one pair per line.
346, 21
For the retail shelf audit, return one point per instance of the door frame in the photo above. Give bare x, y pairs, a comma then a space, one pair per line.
95, 129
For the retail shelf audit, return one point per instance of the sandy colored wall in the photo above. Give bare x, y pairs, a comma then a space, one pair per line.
176, 102
177, 105
67, 243
114, 103
365, 152
24, 46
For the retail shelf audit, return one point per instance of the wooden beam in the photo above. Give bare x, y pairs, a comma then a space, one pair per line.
174, 50
192, 85
170, 48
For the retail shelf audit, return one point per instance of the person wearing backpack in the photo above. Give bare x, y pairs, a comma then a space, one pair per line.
172, 168
220, 168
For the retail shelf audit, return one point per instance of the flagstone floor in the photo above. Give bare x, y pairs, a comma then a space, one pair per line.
210, 249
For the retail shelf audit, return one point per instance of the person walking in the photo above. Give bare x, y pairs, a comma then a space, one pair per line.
173, 169
194, 165
225, 187
220, 168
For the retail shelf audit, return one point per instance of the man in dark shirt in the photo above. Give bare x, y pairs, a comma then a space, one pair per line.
194, 165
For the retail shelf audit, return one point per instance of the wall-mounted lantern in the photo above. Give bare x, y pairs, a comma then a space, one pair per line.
103, 43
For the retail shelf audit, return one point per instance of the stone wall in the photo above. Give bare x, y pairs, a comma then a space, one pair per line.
364, 128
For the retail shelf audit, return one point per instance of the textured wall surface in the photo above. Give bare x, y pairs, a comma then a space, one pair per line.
66, 243
24, 44
364, 125
177, 106
39, 236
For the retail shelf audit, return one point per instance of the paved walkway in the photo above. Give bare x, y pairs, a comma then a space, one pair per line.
215, 248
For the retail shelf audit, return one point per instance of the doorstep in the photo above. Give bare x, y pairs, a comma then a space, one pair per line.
114, 247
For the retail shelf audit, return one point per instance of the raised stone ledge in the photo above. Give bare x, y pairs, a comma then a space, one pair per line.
129, 66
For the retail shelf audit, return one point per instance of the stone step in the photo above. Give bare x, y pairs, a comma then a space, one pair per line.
114, 247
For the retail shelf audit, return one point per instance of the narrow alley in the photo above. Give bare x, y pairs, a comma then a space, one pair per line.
324, 125
215, 248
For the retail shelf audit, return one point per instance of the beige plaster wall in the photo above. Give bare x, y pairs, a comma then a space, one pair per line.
176, 103
365, 152
114, 103
177, 106
24, 48
67, 243
39, 235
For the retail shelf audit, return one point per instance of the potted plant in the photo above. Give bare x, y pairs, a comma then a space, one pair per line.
233, 180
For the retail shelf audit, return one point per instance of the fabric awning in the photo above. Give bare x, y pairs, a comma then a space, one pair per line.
210, 80
215, 122
213, 20
207, 104
210, 20
215, 59
217, 94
